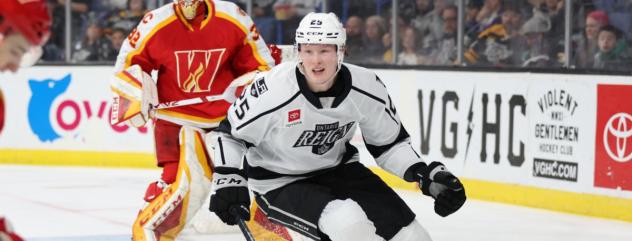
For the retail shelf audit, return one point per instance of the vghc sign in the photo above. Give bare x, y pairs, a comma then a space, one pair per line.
476, 122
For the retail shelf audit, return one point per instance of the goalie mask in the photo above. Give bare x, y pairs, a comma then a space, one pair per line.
189, 7
322, 28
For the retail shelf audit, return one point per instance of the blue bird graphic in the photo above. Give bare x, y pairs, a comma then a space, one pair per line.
44, 93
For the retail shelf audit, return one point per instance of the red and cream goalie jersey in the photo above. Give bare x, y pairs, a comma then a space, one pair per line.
195, 58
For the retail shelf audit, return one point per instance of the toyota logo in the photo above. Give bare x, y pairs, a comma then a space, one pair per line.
619, 126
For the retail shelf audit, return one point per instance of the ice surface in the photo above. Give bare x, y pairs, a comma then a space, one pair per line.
93, 204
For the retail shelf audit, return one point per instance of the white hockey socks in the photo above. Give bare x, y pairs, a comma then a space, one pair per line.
344, 220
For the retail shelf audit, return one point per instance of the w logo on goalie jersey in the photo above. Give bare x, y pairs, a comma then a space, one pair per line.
197, 69
323, 138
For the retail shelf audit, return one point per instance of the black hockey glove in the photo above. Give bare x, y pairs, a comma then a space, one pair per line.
436, 181
230, 195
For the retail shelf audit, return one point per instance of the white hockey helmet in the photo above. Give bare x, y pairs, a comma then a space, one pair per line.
322, 28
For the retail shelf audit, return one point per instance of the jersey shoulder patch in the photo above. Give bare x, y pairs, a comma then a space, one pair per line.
270, 90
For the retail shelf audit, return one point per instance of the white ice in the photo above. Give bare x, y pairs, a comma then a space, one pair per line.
65, 203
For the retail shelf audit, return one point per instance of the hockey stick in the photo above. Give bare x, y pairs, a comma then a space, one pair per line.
228, 95
240, 221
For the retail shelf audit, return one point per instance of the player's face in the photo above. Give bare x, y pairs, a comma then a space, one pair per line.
320, 62
12, 48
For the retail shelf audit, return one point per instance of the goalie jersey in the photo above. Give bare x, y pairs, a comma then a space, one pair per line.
289, 132
195, 60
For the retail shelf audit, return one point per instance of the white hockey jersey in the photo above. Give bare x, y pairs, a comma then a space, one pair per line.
289, 133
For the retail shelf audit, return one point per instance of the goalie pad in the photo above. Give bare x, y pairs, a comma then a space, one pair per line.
6, 231
166, 215
135, 94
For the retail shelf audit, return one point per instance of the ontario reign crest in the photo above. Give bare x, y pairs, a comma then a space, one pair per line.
323, 138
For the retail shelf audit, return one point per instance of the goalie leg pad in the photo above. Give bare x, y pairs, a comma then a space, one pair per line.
345, 220
6, 231
165, 216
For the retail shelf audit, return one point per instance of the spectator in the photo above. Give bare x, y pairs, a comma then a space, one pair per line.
554, 9
445, 48
94, 46
537, 52
613, 53
406, 9
512, 19
387, 40
410, 54
620, 13
471, 25
489, 13
117, 37
585, 44
128, 18
374, 30
354, 27
428, 20
491, 48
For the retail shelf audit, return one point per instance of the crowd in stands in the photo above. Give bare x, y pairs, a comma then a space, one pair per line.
517, 33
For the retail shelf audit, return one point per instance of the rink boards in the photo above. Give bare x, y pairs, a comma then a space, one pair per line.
561, 142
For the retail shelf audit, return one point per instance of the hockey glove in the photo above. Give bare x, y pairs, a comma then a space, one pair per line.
230, 192
436, 181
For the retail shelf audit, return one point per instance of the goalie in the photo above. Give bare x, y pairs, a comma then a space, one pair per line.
197, 48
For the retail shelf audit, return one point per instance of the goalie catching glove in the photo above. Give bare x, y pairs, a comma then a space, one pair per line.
135, 94
436, 181
230, 195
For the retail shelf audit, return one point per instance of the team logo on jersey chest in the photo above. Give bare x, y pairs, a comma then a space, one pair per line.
323, 137
197, 69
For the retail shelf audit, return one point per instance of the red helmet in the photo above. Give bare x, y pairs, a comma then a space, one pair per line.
29, 17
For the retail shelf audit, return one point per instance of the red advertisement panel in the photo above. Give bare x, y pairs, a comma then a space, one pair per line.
613, 140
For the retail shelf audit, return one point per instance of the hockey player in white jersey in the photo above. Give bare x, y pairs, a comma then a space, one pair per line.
294, 124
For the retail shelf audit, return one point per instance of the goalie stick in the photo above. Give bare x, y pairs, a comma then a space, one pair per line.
228, 95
